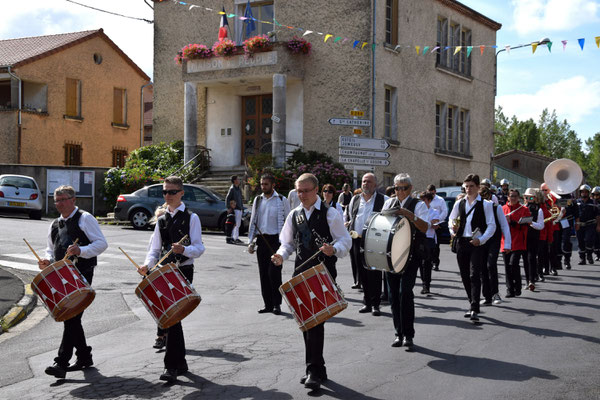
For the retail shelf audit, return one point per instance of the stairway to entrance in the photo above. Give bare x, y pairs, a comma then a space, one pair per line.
219, 179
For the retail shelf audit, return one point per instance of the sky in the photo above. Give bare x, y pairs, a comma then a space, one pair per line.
563, 80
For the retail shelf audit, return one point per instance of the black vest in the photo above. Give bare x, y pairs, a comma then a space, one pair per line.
64, 233
477, 221
347, 198
498, 232
309, 236
377, 206
418, 243
172, 229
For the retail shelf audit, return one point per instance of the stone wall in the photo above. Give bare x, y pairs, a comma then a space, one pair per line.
8, 136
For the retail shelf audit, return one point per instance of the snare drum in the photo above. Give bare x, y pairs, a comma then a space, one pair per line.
167, 295
386, 242
313, 297
63, 290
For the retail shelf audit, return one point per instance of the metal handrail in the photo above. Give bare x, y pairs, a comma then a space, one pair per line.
203, 151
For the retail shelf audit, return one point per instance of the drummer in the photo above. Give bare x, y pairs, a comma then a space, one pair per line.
308, 228
171, 227
71, 225
400, 286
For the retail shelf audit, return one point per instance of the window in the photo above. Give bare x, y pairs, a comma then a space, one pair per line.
450, 36
441, 57
465, 62
73, 154
515, 164
452, 130
391, 113
155, 191
120, 107
73, 108
118, 157
261, 11
391, 22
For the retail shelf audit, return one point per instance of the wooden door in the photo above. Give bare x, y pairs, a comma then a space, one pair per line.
257, 127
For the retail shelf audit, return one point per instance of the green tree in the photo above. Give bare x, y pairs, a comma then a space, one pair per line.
591, 164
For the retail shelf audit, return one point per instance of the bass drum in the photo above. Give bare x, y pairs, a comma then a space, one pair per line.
386, 243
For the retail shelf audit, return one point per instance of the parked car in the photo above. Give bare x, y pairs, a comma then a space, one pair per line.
448, 191
20, 194
443, 232
138, 207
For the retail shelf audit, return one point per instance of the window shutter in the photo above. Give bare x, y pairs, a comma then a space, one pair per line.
468, 132
394, 114
468, 64
117, 106
443, 127
71, 104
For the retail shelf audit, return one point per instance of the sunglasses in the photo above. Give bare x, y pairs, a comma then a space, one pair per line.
530, 198
328, 191
401, 188
172, 192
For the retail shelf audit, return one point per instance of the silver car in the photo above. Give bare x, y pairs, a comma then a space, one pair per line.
139, 206
21, 194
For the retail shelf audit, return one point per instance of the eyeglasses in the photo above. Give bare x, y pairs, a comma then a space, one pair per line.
401, 188
172, 192
328, 191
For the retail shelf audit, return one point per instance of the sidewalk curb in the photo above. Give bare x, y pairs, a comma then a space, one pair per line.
19, 311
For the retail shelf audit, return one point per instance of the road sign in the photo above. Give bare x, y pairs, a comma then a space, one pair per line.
363, 143
350, 122
357, 131
364, 161
359, 167
356, 113
364, 153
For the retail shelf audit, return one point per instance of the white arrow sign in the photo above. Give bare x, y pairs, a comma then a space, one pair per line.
364, 153
359, 167
350, 122
364, 161
363, 143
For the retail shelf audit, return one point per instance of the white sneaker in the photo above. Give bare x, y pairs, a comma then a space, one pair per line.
496, 299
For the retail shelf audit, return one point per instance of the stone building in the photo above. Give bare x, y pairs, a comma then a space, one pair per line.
522, 168
69, 99
435, 109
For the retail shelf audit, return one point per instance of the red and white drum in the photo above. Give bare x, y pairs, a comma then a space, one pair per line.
167, 295
313, 297
64, 291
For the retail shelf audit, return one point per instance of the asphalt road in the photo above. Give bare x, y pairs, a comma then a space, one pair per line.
543, 345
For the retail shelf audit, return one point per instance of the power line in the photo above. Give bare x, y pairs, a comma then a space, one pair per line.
110, 12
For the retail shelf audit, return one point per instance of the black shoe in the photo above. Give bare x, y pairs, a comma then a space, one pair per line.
408, 344
277, 310
238, 241
397, 342
598, 258
467, 314
474, 316
81, 363
303, 379
376, 312
182, 369
554, 273
170, 375
590, 260
230, 241
160, 342
56, 371
365, 309
384, 298
568, 265
508, 294
312, 382
581, 262
265, 310
425, 290
356, 286
518, 293
436, 268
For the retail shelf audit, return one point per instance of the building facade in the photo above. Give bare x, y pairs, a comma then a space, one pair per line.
69, 99
435, 109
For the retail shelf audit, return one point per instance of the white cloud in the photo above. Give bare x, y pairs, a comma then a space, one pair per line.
573, 99
47, 17
532, 16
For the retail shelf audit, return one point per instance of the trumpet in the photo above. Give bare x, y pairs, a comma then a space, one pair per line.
554, 211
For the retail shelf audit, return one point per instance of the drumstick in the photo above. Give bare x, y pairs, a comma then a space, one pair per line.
170, 251
66, 255
311, 257
130, 259
32, 250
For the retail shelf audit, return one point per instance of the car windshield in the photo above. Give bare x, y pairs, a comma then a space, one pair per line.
17, 181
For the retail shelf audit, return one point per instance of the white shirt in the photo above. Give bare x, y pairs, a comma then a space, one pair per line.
365, 208
89, 226
489, 218
194, 250
504, 226
267, 214
293, 199
433, 214
338, 231
539, 225
438, 203
338, 207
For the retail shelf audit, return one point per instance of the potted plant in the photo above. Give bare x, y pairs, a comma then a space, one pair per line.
257, 44
298, 45
193, 52
224, 48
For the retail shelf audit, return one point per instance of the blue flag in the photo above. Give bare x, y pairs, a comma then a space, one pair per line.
249, 21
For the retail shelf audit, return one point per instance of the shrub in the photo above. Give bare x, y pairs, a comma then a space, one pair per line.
257, 43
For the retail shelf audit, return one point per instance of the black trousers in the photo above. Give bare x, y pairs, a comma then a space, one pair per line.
470, 263
489, 272
355, 261
566, 245
73, 335
314, 341
402, 298
555, 250
269, 273
371, 280
513, 272
175, 354
426, 264
586, 237
530, 259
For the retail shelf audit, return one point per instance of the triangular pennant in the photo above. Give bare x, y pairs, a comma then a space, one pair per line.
327, 37
337, 39
534, 46
549, 44
457, 49
356, 42
192, 6
446, 48
481, 49
398, 47
435, 49
581, 42
418, 49
597, 38
425, 49
345, 40
469, 50
307, 33
222, 12
230, 15
363, 45
275, 22
564, 43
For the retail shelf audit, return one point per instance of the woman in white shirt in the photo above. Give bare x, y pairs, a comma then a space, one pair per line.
327, 193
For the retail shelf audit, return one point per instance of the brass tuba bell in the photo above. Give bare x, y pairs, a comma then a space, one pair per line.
563, 176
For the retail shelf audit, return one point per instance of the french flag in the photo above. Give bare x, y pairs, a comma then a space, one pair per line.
224, 27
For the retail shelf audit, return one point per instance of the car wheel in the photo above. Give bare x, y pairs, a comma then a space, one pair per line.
37, 214
140, 219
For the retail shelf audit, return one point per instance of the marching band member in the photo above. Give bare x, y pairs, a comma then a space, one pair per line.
596, 197
309, 228
71, 225
587, 225
551, 262
327, 193
503, 192
269, 211
170, 228
533, 237
570, 214
514, 211
433, 219
472, 219
438, 203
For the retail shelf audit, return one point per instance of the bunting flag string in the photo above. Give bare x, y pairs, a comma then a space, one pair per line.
360, 44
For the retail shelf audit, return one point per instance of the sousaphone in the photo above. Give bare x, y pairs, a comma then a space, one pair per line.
563, 176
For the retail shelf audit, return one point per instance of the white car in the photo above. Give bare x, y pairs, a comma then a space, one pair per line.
20, 193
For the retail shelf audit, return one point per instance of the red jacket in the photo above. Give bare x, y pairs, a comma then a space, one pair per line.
518, 232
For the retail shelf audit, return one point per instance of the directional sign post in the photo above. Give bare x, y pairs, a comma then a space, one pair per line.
363, 143
350, 122
364, 161
364, 153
